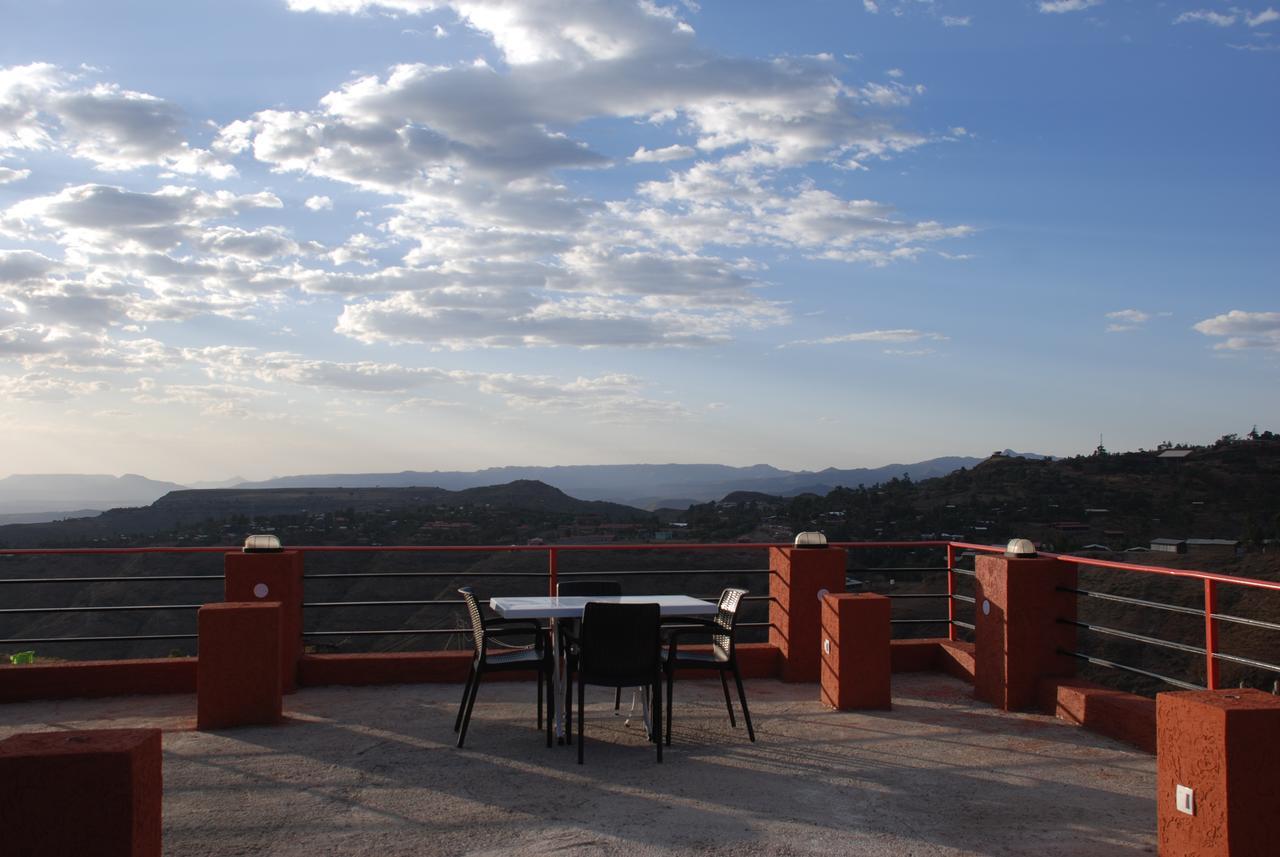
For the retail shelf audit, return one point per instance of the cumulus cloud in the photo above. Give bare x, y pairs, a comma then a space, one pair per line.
7, 175
1234, 15
319, 203
666, 153
1126, 319
1057, 7
1242, 331
1207, 16
45, 107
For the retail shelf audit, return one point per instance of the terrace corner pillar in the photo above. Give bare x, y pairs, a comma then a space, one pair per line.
1017, 634
72, 793
1221, 745
856, 660
265, 578
796, 577
238, 673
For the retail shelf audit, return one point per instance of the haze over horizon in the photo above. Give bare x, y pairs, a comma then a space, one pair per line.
343, 236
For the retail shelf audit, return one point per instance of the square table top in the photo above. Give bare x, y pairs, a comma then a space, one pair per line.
571, 606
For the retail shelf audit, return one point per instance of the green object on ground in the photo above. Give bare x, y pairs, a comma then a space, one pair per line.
22, 658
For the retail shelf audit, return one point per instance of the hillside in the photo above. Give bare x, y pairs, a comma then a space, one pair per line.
500, 513
50, 493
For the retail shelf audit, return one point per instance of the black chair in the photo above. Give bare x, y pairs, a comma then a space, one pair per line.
722, 657
504, 658
569, 631
620, 646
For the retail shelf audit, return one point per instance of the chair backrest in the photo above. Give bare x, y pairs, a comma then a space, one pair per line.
620, 643
727, 621
477, 618
588, 587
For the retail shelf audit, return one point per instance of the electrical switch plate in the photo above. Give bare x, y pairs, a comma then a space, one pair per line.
826, 646
1186, 800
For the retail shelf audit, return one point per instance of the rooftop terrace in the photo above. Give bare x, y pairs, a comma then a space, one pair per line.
374, 770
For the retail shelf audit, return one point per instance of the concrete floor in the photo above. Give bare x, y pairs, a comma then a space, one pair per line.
374, 771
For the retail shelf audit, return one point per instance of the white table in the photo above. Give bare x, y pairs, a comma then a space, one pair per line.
556, 608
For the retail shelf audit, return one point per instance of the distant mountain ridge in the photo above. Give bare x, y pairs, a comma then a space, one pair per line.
645, 486
30, 494
48, 497
190, 507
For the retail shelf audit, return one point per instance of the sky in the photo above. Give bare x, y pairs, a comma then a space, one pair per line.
308, 236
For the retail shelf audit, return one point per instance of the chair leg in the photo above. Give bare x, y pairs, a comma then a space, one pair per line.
742, 699
471, 701
657, 715
539, 699
466, 692
671, 675
724, 683
568, 706
617, 698
551, 702
581, 726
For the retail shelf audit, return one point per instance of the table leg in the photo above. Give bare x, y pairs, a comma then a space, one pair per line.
558, 678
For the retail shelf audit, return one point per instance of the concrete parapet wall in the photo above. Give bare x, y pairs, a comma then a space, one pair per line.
97, 678
1123, 716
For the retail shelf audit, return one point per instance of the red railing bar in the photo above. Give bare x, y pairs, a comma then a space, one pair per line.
1146, 569
951, 592
1210, 634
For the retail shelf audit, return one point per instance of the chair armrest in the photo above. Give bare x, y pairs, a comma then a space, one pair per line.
705, 628
524, 627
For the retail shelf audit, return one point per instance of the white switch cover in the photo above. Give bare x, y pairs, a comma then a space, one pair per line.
1186, 800
826, 646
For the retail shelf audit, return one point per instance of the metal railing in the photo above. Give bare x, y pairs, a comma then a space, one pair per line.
1208, 613
559, 558
555, 570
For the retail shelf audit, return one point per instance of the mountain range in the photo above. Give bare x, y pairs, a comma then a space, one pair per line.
32, 498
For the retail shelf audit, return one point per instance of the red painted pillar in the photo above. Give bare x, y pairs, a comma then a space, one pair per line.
1223, 746
1017, 635
69, 794
238, 674
795, 623
855, 651
272, 577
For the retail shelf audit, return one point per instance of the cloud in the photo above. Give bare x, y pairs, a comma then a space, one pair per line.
1243, 331
40, 386
1206, 16
609, 397
894, 335
45, 107
1057, 7
1126, 319
667, 153
8, 175
1266, 16
319, 203
956, 20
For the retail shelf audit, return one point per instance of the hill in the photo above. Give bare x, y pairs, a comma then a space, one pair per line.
52, 493
646, 486
327, 515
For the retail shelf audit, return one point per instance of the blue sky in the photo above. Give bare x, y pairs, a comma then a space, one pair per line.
274, 237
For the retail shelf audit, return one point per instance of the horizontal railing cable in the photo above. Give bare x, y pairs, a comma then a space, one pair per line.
1102, 662
15, 610
125, 579
1140, 638
112, 639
